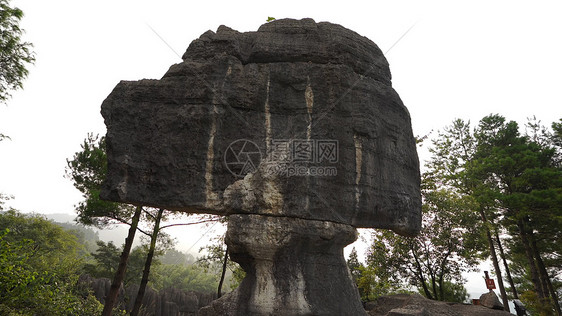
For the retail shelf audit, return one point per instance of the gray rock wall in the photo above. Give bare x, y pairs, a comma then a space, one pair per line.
167, 302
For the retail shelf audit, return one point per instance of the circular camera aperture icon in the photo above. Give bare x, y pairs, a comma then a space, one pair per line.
242, 157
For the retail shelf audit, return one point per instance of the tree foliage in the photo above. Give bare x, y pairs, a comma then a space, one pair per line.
354, 265
87, 170
174, 256
85, 236
50, 244
15, 54
3, 199
39, 268
212, 262
184, 277
40, 264
487, 190
372, 280
104, 260
519, 180
447, 246
435, 260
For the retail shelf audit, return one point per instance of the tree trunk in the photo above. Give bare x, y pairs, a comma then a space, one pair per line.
552, 292
425, 288
420, 276
433, 281
545, 278
219, 294
495, 261
111, 298
441, 276
434, 287
530, 258
441, 288
147, 264
498, 271
506, 266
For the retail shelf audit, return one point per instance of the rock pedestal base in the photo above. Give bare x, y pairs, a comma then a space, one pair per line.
293, 267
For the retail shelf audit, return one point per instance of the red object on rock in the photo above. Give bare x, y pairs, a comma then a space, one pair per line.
490, 284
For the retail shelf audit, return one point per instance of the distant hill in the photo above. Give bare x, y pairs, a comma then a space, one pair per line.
116, 234
61, 217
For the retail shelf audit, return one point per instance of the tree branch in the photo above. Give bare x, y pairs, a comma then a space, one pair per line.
148, 213
194, 223
146, 233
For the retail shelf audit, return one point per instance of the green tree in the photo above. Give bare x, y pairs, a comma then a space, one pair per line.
15, 54
214, 262
514, 181
14, 276
104, 260
452, 151
379, 277
438, 256
354, 265
556, 138
137, 262
3, 199
174, 256
87, 170
452, 292
148, 263
52, 246
521, 176
85, 236
372, 281
165, 243
185, 277
39, 269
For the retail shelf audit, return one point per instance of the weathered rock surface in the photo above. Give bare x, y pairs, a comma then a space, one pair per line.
491, 300
166, 302
316, 86
293, 266
295, 132
415, 304
99, 286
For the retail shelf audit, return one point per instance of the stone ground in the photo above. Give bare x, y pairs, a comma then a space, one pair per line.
415, 304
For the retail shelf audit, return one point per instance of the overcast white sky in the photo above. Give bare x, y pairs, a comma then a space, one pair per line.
461, 60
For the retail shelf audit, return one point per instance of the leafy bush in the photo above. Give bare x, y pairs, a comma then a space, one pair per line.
184, 277
39, 269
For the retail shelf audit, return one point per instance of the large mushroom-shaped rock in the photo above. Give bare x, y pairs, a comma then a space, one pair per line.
296, 133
